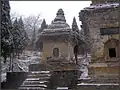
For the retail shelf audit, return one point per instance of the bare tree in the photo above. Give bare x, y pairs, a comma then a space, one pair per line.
14, 15
32, 25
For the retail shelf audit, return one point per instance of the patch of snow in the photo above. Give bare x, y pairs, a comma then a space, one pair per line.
86, 78
67, 29
85, 73
36, 85
21, 67
33, 57
33, 88
35, 81
32, 79
24, 61
98, 84
45, 71
84, 63
28, 57
40, 72
3, 77
4, 66
61, 88
38, 53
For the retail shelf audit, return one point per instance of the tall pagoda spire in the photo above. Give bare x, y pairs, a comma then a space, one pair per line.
60, 16
59, 22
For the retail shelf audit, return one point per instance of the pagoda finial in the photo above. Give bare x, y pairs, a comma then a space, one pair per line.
60, 12
60, 16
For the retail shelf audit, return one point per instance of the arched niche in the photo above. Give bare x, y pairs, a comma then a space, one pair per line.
111, 49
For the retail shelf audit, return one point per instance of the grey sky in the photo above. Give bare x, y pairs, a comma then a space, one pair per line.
48, 9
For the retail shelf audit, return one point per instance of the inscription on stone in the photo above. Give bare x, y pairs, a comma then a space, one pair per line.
110, 31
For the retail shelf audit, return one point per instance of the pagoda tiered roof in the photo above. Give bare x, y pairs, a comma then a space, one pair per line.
58, 26
60, 30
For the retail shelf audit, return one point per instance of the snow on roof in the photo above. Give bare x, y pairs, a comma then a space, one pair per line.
100, 6
58, 24
57, 30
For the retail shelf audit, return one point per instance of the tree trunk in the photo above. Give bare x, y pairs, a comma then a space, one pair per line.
76, 58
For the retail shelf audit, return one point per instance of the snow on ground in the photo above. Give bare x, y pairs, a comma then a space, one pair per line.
3, 77
27, 58
62, 88
84, 63
33, 57
4, 68
21, 63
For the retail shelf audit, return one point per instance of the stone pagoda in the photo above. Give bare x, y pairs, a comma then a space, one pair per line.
58, 41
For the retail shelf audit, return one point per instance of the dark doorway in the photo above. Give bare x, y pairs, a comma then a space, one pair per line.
112, 52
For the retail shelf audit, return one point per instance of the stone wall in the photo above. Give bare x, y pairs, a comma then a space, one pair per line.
101, 19
65, 49
14, 80
97, 18
63, 78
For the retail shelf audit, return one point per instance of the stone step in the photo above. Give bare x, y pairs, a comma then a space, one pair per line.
31, 88
99, 81
40, 78
39, 75
34, 82
34, 85
41, 72
62, 88
98, 84
32, 79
